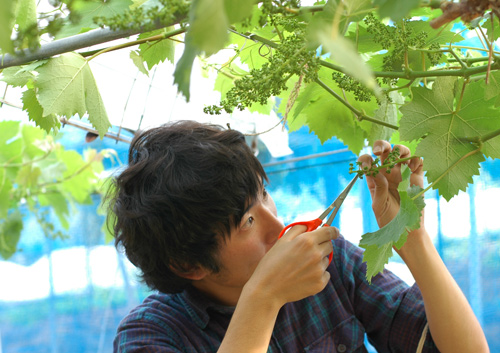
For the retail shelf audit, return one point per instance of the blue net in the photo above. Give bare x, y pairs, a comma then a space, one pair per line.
69, 295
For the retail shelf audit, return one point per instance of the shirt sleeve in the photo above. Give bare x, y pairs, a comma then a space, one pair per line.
142, 332
391, 312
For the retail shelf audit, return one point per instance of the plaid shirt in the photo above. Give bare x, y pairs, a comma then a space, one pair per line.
334, 320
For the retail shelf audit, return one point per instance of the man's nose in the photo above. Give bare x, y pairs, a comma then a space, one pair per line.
273, 225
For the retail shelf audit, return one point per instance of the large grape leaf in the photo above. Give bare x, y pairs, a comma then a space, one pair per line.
492, 88
492, 29
343, 52
326, 116
447, 122
67, 87
208, 32
210, 19
182, 72
25, 14
238, 10
395, 9
35, 112
343, 12
378, 245
15, 77
158, 51
387, 112
138, 61
7, 17
87, 10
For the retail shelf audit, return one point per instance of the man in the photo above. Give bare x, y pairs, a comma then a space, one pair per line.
192, 213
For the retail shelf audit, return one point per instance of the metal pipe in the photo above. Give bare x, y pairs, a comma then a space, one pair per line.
68, 44
311, 156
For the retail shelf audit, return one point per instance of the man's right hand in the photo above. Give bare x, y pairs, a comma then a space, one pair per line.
295, 267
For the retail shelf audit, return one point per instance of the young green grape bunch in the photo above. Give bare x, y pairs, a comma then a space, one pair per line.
389, 163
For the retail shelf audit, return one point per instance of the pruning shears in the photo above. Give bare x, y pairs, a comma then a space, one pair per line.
315, 223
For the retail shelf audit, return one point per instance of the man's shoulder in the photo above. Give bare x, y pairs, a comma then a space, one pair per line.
159, 308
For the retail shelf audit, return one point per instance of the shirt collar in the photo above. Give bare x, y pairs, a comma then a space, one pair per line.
197, 305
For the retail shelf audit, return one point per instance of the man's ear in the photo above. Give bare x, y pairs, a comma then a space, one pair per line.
194, 273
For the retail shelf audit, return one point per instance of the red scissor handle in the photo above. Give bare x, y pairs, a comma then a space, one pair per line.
311, 225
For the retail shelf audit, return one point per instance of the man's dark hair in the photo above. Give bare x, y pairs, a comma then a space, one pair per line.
185, 187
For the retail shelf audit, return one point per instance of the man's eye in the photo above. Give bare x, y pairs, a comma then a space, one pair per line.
264, 193
248, 222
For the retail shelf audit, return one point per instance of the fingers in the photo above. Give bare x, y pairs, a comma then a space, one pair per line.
382, 149
295, 231
320, 239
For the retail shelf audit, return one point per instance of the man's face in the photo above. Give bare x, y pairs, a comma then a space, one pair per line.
240, 253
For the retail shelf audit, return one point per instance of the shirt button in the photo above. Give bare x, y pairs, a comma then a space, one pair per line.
341, 348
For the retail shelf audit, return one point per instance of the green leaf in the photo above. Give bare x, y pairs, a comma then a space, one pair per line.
342, 51
26, 13
16, 77
226, 77
87, 10
182, 73
35, 112
67, 87
416, 60
27, 177
11, 147
350, 11
388, 113
138, 61
10, 232
492, 28
362, 39
158, 51
208, 25
326, 116
58, 203
237, 10
5, 196
8, 130
434, 114
395, 9
492, 89
378, 245
79, 178
33, 139
7, 17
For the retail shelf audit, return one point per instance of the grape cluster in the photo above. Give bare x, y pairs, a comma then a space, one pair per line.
29, 37
397, 40
389, 163
347, 83
391, 160
146, 19
291, 57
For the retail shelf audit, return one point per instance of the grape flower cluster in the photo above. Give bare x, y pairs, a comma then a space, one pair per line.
290, 57
389, 163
